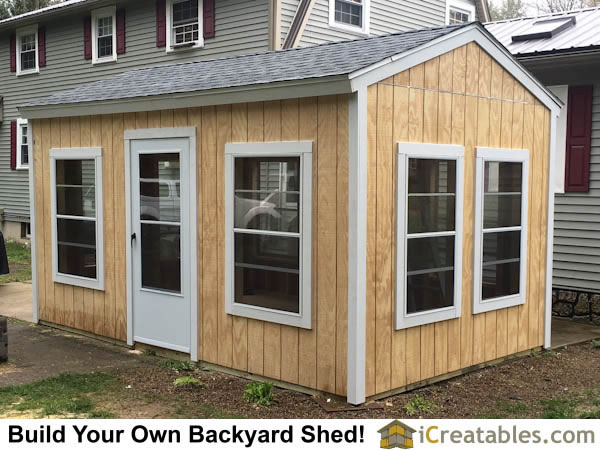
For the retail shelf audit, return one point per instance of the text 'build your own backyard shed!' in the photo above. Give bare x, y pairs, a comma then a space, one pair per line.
244, 210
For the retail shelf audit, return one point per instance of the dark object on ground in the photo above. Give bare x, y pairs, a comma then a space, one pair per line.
3, 257
3, 339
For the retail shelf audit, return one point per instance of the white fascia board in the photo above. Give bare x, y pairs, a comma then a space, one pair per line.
245, 94
471, 33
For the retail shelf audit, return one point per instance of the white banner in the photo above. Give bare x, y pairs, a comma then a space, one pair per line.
296, 434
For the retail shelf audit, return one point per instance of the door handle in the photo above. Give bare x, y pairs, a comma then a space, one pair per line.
133, 238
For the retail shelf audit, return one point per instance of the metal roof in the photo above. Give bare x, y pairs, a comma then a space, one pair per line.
44, 12
583, 35
319, 61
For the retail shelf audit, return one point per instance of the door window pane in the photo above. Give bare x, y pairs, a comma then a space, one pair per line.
161, 257
159, 187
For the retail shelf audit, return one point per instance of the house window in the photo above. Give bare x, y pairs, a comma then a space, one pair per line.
429, 234
349, 15
77, 217
27, 50
500, 253
22, 144
459, 11
104, 38
184, 24
268, 225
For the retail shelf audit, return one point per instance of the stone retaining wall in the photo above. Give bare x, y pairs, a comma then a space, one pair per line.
576, 305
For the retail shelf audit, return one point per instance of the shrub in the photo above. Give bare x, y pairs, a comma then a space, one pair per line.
260, 394
420, 405
188, 381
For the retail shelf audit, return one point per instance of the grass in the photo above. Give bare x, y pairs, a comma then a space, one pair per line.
64, 395
178, 366
419, 405
19, 260
188, 381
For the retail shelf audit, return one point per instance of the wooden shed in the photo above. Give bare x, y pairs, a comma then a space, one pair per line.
357, 218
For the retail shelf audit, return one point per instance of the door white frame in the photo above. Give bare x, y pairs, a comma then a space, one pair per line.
165, 133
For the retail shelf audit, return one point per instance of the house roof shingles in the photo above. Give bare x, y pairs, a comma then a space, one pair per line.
320, 61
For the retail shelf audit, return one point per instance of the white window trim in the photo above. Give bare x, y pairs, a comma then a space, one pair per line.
427, 151
361, 31
199, 43
462, 6
503, 155
89, 153
96, 14
303, 150
22, 32
20, 123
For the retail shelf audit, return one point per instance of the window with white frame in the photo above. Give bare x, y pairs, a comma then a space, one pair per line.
77, 217
104, 36
184, 24
459, 11
500, 247
27, 50
349, 15
22, 144
268, 240
429, 235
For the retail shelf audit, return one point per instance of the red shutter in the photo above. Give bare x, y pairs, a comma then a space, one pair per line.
161, 23
13, 145
87, 37
579, 136
42, 46
13, 53
120, 31
208, 13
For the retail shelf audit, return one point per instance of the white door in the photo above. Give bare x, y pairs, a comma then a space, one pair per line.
161, 242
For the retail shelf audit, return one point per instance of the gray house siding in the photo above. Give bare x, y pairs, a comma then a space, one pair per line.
241, 27
387, 16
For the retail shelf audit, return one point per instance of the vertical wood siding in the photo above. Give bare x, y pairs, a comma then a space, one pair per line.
479, 105
314, 358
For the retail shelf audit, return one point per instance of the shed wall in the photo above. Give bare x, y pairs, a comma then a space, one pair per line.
479, 104
314, 358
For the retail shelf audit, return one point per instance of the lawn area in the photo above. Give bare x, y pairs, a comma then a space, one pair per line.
560, 384
19, 262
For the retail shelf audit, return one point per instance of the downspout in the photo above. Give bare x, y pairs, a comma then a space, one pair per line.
357, 246
298, 23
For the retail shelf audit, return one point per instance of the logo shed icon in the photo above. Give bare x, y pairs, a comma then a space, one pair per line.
397, 435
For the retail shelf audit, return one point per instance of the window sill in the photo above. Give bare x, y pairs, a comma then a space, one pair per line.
104, 60
495, 304
427, 317
349, 29
268, 315
73, 280
185, 48
28, 72
22, 168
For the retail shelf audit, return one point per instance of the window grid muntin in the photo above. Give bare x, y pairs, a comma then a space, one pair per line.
458, 16
27, 53
185, 21
24, 144
104, 36
349, 12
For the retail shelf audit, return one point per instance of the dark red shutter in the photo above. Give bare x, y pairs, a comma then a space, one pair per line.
208, 13
13, 145
579, 137
120, 31
13, 53
161, 23
87, 37
42, 46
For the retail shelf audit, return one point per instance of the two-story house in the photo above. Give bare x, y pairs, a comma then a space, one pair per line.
79, 41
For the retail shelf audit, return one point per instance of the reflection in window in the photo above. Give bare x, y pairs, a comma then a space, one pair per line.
267, 232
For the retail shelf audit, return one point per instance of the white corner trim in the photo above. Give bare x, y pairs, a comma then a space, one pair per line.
469, 33
361, 31
197, 44
303, 150
97, 14
357, 247
504, 155
550, 235
406, 151
88, 153
165, 133
20, 165
462, 6
22, 32
33, 223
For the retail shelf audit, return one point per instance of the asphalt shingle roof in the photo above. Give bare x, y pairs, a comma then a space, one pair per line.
326, 60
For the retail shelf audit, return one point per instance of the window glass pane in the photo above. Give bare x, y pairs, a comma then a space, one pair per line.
24, 146
268, 252
426, 254
105, 47
431, 213
501, 246
267, 194
429, 291
349, 12
500, 280
161, 257
185, 21
75, 187
501, 210
28, 52
503, 176
431, 176
76, 247
159, 182
458, 16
